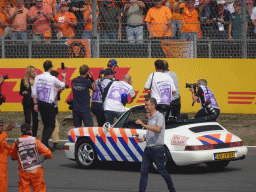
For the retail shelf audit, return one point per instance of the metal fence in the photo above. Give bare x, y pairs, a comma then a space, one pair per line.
173, 46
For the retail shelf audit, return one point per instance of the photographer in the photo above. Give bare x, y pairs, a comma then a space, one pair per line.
160, 84
97, 96
81, 97
116, 99
44, 95
2, 97
206, 98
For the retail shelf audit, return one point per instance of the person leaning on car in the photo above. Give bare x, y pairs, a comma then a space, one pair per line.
204, 95
154, 151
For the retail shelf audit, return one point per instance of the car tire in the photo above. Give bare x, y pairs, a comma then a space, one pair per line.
85, 154
217, 165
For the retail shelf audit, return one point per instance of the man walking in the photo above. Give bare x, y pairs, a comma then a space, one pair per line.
44, 94
154, 151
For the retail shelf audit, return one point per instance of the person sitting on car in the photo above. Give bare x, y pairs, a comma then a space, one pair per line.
206, 98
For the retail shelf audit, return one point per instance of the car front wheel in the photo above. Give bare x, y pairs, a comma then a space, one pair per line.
85, 154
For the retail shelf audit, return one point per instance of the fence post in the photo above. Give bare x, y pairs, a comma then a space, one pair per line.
30, 49
3, 51
244, 31
94, 41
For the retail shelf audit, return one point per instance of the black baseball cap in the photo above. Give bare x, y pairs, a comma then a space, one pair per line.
25, 127
109, 71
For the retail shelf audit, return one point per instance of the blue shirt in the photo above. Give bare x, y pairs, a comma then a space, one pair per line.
81, 93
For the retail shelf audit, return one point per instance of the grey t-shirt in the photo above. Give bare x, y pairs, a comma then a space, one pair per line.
154, 138
109, 18
175, 80
134, 15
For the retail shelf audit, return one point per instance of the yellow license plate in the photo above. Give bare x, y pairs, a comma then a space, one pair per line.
226, 155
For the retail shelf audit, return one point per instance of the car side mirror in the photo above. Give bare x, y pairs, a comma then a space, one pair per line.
106, 126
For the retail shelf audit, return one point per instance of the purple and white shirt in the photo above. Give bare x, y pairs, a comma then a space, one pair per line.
96, 95
113, 99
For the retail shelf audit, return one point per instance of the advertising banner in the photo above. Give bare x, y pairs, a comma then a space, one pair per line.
232, 80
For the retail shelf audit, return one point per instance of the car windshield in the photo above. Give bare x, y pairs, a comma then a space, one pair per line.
128, 120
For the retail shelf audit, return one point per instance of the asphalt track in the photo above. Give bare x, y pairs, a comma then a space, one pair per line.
63, 175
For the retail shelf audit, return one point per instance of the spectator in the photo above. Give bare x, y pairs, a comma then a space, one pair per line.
40, 16
229, 5
81, 97
235, 24
52, 4
87, 34
65, 22
18, 18
113, 105
253, 19
190, 27
134, 12
219, 19
26, 87
249, 6
7, 29
205, 13
78, 7
158, 20
177, 8
2, 25
111, 20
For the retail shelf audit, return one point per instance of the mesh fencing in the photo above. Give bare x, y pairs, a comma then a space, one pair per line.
128, 29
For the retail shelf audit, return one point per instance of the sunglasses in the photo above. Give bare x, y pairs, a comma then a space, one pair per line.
109, 2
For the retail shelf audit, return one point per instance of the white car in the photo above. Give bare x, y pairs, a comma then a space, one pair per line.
187, 141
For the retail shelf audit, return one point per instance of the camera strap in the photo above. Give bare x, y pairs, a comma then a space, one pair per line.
151, 81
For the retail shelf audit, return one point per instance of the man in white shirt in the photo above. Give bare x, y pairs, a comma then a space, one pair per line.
113, 105
160, 85
253, 19
44, 94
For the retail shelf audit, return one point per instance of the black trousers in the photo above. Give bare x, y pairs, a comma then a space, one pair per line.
48, 114
203, 112
175, 107
28, 110
98, 111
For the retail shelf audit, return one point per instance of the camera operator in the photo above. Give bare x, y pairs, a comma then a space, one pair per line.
97, 96
81, 97
116, 99
44, 94
175, 103
206, 98
160, 84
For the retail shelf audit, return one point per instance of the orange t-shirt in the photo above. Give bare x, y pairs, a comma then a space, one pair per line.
62, 19
20, 21
157, 19
88, 23
175, 15
41, 25
3, 18
190, 22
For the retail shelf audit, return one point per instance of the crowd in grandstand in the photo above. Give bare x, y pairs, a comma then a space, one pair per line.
125, 19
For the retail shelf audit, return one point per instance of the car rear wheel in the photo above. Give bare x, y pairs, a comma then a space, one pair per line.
217, 165
85, 154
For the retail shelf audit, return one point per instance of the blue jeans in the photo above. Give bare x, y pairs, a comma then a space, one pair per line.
150, 155
88, 34
19, 35
176, 28
110, 115
110, 35
85, 116
134, 33
190, 36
